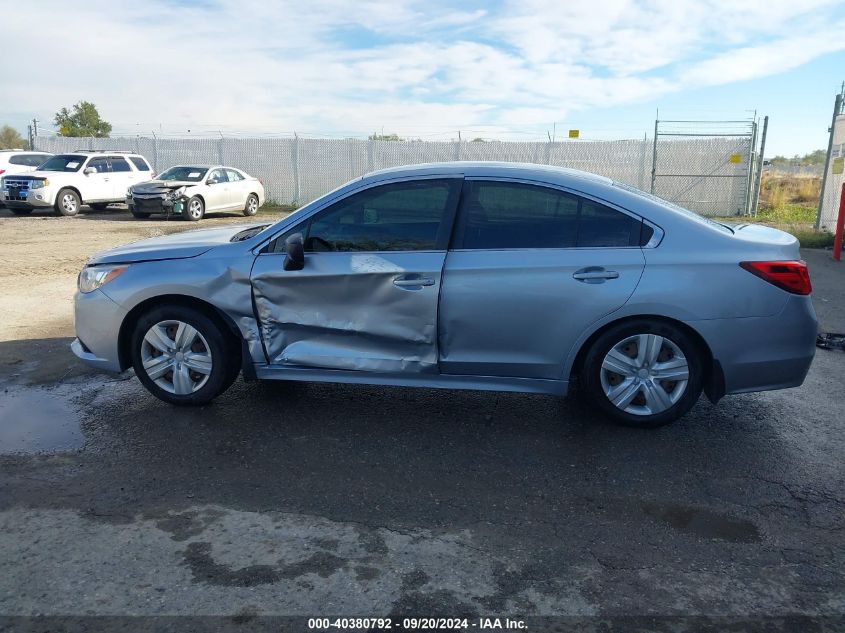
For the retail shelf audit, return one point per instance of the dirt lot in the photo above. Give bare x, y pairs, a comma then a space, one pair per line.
320, 500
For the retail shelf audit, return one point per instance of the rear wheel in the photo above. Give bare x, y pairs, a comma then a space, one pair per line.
194, 210
182, 356
251, 206
68, 202
644, 373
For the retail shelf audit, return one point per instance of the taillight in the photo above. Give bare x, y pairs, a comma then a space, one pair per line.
2, 171
791, 276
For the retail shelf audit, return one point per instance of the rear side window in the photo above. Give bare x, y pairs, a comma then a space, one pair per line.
120, 164
140, 163
501, 215
233, 175
406, 216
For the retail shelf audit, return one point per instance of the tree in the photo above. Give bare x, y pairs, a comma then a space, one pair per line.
10, 139
84, 120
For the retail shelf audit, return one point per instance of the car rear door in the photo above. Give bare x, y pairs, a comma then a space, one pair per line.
367, 297
237, 189
530, 269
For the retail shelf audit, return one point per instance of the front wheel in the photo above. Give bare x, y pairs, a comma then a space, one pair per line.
68, 202
182, 356
195, 209
644, 373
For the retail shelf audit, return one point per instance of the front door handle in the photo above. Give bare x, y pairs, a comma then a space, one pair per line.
594, 274
410, 281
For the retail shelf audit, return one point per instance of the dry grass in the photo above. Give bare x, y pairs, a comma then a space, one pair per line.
780, 190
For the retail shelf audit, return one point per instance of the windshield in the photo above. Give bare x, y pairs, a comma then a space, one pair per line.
188, 174
63, 162
671, 205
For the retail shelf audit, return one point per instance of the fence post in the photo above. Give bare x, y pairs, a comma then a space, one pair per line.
548, 153
155, 153
837, 107
654, 157
760, 166
371, 159
295, 161
220, 155
458, 148
749, 178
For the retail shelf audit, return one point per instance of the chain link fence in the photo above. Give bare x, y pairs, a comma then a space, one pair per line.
298, 170
834, 178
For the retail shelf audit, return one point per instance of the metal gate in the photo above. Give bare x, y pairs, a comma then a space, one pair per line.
717, 173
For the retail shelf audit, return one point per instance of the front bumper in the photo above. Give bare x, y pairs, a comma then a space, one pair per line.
97, 320
764, 353
156, 204
27, 199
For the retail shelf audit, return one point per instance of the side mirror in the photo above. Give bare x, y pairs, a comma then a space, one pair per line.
211, 181
294, 252
90, 170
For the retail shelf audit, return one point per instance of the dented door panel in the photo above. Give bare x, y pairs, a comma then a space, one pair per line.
353, 311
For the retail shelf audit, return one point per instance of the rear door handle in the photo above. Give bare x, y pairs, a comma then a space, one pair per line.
595, 274
408, 281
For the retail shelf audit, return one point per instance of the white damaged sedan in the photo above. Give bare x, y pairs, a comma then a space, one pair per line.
190, 191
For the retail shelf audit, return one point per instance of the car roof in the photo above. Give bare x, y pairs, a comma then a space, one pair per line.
529, 171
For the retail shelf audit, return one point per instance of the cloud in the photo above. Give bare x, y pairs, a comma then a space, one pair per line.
419, 68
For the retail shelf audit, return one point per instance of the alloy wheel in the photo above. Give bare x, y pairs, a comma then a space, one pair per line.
195, 209
644, 374
252, 205
176, 357
69, 203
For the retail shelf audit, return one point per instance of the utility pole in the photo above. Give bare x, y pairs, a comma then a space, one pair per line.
35, 127
31, 140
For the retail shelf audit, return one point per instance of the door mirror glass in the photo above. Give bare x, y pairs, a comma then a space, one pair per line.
294, 252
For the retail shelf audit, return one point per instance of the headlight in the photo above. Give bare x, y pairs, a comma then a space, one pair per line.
177, 193
38, 184
92, 277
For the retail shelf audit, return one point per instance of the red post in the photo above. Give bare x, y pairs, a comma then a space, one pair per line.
840, 225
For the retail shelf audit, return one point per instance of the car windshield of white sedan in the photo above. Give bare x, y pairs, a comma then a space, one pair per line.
63, 162
187, 174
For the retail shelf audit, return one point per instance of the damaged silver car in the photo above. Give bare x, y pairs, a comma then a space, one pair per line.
189, 191
491, 276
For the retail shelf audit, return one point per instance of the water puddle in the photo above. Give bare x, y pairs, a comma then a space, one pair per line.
38, 421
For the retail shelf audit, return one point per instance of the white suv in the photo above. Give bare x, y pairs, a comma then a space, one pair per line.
18, 161
67, 181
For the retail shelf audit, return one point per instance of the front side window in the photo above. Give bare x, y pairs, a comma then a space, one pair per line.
504, 215
218, 175
63, 162
100, 164
406, 216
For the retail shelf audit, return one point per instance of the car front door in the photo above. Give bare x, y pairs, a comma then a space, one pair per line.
217, 190
531, 267
122, 177
97, 186
367, 296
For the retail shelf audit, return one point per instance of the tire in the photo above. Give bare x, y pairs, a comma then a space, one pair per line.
251, 206
68, 202
194, 210
21, 211
139, 214
99, 206
644, 400
155, 337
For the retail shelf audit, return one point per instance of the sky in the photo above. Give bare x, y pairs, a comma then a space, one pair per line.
507, 70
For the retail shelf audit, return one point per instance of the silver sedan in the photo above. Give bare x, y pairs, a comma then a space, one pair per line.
462, 275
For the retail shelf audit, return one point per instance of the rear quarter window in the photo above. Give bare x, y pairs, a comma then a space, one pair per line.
140, 163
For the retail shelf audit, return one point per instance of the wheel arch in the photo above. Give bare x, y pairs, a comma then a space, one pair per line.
714, 379
73, 189
227, 325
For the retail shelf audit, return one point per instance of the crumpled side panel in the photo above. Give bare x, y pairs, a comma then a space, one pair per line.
343, 311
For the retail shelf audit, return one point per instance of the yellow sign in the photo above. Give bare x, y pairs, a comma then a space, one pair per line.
838, 166
574, 133
736, 158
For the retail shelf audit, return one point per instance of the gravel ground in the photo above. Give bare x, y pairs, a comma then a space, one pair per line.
317, 500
